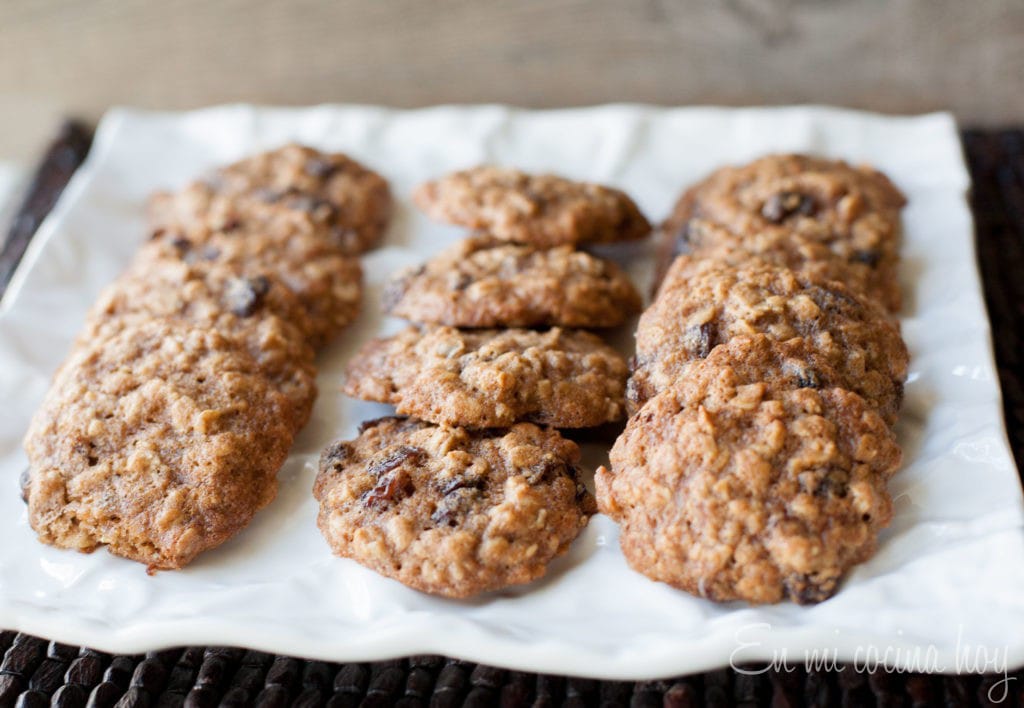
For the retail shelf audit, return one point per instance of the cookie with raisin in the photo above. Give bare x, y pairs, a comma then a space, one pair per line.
705, 303
256, 311
541, 210
327, 285
850, 214
480, 282
159, 443
294, 187
739, 482
492, 378
449, 511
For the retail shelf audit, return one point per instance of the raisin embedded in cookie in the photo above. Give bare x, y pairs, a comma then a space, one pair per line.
493, 378
704, 303
328, 285
542, 210
450, 511
852, 211
160, 442
328, 195
483, 283
256, 312
735, 487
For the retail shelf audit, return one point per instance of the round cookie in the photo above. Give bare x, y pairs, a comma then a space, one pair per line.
852, 211
257, 313
449, 511
733, 485
483, 283
327, 285
542, 210
493, 378
160, 442
704, 303
328, 195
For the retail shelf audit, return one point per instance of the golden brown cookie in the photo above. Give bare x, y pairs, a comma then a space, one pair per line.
449, 511
160, 442
327, 285
480, 282
740, 483
811, 204
291, 188
255, 312
541, 210
705, 303
493, 378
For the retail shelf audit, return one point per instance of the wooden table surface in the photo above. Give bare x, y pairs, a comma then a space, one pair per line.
68, 57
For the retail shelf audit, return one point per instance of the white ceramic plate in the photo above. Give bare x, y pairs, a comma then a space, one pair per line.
945, 582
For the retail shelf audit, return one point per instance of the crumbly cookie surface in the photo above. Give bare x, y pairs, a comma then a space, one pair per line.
543, 210
480, 282
705, 303
853, 212
449, 511
160, 442
493, 378
327, 194
735, 486
327, 285
257, 313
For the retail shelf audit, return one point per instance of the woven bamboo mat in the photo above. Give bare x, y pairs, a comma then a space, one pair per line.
35, 672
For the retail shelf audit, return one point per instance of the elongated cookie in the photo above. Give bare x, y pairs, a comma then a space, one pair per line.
256, 312
160, 442
705, 303
293, 187
854, 212
449, 511
480, 282
740, 483
328, 285
493, 378
542, 210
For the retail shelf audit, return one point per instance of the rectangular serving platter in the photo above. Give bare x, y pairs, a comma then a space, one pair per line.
943, 590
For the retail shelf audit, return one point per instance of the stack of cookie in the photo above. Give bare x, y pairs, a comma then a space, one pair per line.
469, 494
163, 432
767, 377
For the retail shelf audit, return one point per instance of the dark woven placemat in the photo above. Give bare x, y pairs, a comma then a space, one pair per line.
62, 158
34, 672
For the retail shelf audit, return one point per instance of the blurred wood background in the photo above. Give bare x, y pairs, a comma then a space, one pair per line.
81, 56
